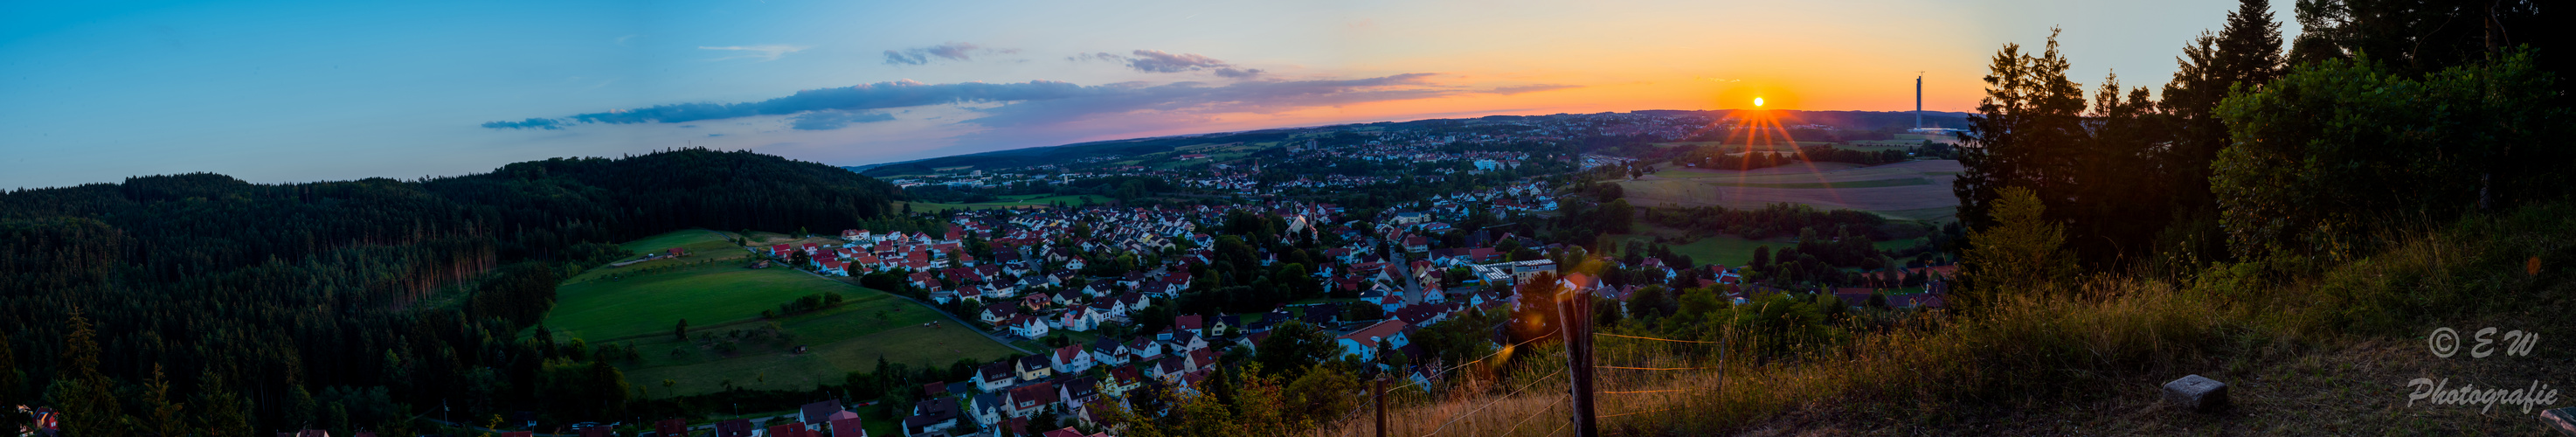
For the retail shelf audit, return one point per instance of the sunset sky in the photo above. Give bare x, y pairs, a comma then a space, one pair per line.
302, 91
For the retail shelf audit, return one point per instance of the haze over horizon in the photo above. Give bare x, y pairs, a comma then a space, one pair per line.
306, 91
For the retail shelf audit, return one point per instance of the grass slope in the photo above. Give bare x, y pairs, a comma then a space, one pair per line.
650, 303
2308, 347
850, 337
638, 304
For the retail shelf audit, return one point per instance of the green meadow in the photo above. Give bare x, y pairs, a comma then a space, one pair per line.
730, 344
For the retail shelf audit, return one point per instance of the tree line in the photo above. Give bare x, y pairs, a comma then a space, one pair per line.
282, 305
2381, 114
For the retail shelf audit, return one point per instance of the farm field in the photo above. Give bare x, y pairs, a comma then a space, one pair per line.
1916, 187
1851, 184
637, 306
1782, 145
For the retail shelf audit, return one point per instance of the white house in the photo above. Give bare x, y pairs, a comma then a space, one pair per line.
1072, 359
1364, 342
1027, 326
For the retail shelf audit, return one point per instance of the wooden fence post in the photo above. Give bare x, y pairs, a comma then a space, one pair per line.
1575, 324
1381, 405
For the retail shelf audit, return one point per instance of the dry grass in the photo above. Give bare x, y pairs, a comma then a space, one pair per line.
2328, 353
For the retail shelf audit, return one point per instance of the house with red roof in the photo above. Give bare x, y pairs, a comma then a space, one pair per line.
1072, 359
1030, 399
1077, 318
1364, 342
1121, 379
848, 427
1027, 326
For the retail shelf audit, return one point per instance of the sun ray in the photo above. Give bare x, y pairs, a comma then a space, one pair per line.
1758, 128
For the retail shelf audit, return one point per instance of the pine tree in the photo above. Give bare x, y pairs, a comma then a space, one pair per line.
2025, 133
2024, 251
88, 402
11, 381
166, 420
220, 411
2242, 57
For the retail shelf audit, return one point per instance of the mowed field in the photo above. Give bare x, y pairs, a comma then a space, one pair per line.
650, 303
1910, 190
637, 305
850, 337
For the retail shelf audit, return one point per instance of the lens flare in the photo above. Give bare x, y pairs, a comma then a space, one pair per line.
1746, 134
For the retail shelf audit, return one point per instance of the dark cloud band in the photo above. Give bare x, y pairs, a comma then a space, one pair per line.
533, 123
1158, 61
1040, 103
955, 51
829, 120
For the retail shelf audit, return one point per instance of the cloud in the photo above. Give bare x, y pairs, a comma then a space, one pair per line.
1196, 98
1157, 61
897, 94
533, 123
1247, 73
955, 51
1039, 103
834, 119
769, 52
1510, 90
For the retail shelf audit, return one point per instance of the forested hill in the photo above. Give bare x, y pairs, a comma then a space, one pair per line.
377, 295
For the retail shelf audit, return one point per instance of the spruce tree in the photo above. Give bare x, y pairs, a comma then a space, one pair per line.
11, 382
88, 402
219, 411
166, 420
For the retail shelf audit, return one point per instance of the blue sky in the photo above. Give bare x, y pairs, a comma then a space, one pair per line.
301, 91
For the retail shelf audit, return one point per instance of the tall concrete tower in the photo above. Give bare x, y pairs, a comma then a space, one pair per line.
1918, 101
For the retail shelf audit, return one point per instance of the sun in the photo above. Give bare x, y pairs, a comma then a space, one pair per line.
1757, 102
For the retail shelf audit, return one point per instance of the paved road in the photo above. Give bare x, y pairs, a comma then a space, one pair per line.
1404, 275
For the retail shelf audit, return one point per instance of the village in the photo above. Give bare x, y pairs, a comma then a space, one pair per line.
1021, 274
